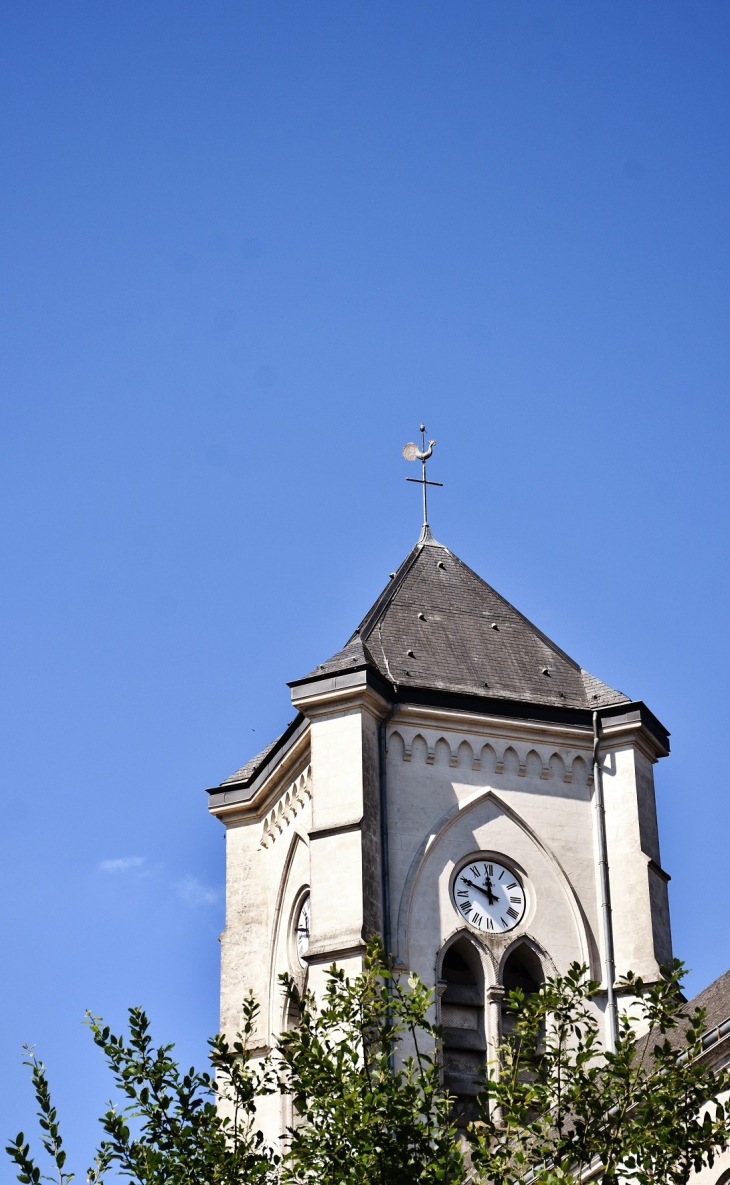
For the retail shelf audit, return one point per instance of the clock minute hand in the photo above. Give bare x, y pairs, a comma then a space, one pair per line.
485, 892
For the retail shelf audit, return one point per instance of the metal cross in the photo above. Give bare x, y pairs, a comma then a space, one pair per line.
411, 452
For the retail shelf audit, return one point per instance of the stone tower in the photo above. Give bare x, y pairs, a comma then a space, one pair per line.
436, 785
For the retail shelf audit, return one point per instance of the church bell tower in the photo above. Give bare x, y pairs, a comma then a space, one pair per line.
455, 782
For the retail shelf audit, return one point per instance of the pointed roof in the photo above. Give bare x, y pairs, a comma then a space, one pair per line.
439, 626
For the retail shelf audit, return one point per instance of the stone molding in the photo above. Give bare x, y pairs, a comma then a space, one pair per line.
575, 766
336, 829
290, 803
294, 843
617, 731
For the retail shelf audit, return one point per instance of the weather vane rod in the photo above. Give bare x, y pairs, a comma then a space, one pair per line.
411, 452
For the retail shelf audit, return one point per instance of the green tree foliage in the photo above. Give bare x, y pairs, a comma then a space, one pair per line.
361, 1071
560, 1104
363, 1114
172, 1127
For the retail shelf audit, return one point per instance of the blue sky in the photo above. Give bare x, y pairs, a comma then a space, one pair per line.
245, 249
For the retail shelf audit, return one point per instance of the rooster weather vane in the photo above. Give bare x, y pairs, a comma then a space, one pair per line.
411, 452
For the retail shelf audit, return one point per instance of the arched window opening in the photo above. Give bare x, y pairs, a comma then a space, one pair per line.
462, 1016
292, 1012
521, 970
291, 1019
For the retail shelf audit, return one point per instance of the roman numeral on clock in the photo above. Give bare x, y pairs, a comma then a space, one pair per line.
512, 886
465, 906
512, 913
489, 869
476, 919
462, 893
517, 900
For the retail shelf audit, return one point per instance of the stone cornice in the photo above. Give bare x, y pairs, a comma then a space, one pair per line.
629, 729
472, 723
616, 730
341, 693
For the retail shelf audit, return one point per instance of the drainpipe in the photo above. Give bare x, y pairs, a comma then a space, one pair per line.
610, 964
384, 855
385, 859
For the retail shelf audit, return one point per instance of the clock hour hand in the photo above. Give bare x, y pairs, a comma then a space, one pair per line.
493, 897
487, 892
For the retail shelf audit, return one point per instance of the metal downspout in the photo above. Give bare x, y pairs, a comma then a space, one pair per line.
610, 964
385, 859
384, 853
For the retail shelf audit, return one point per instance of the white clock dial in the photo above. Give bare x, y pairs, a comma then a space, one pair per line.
301, 930
489, 896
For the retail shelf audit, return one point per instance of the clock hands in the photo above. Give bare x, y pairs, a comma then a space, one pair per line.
487, 892
492, 898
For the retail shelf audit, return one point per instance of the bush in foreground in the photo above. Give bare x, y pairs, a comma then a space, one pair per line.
552, 1106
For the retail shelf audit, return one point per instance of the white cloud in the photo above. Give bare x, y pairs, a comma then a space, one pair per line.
121, 864
193, 892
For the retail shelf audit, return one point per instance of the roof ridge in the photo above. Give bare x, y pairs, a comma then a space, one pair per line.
370, 619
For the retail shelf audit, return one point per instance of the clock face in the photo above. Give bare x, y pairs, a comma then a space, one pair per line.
301, 930
489, 896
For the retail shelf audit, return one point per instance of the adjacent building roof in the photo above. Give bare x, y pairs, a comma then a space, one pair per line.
715, 999
438, 625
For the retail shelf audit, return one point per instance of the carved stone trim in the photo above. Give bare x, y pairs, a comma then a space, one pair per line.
288, 806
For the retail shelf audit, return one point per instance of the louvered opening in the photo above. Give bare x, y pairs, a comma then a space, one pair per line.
462, 1015
522, 970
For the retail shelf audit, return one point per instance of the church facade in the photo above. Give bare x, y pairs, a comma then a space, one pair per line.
455, 782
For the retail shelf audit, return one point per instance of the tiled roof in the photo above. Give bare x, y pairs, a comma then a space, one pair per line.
716, 999
246, 771
438, 625
246, 775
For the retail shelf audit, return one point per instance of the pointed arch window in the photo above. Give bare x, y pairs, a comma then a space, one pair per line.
462, 1016
522, 969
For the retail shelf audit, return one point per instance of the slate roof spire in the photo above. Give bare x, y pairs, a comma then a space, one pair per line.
438, 626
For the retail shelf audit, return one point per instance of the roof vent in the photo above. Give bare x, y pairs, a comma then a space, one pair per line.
410, 654
391, 575
441, 564
421, 616
495, 626
546, 670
